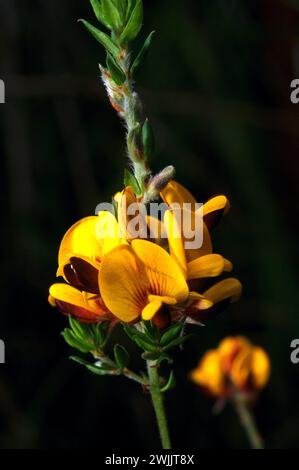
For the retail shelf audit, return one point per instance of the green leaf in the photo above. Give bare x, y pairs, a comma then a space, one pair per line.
151, 330
102, 38
171, 333
131, 5
177, 342
170, 384
145, 345
133, 333
134, 24
143, 53
148, 139
116, 72
92, 367
98, 11
111, 14
164, 358
72, 341
121, 356
130, 180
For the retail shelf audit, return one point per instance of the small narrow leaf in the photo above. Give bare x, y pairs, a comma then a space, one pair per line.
93, 368
102, 38
131, 5
130, 180
177, 342
98, 11
117, 74
171, 333
111, 14
170, 384
142, 54
148, 139
121, 356
72, 341
145, 345
134, 24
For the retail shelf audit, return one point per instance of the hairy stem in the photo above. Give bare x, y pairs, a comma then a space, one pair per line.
158, 404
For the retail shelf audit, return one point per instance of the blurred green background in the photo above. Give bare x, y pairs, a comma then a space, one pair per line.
216, 88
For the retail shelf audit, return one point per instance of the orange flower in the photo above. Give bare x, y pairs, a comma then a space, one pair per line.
236, 365
80, 255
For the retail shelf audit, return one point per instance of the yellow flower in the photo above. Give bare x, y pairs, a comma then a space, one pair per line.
198, 265
80, 255
236, 365
137, 281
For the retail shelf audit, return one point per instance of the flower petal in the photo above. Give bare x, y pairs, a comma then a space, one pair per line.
123, 283
176, 193
260, 368
80, 239
214, 209
175, 241
81, 273
71, 301
151, 309
205, 266
209, 374
164, 275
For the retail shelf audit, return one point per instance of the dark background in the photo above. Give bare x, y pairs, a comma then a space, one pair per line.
217, 90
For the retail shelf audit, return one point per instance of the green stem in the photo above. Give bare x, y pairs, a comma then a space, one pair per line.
158, 404
247, 421
126, 372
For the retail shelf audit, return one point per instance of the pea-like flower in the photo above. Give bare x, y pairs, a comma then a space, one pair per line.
79, 259
235, 366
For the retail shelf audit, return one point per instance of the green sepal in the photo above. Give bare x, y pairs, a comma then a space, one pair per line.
151, 330
111, 14
121, 356
170, 384
134, 23
102, 38
148, 139
171, 333
130, 180
142, 54
177, 342
117, 74
98, 11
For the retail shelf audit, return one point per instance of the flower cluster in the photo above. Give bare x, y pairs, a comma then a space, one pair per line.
235, 366
110, 275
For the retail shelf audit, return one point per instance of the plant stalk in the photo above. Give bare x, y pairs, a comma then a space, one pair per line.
157, 400
247, 421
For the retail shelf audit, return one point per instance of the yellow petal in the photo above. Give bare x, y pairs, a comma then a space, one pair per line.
80, 239
260, 367
205, 266
176, 193
227, 289
206, 247
209, 374
151, 309
70, 295
175, 241
107, 232
123, 283
164, 275
241, 368
164, 299
202, 302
